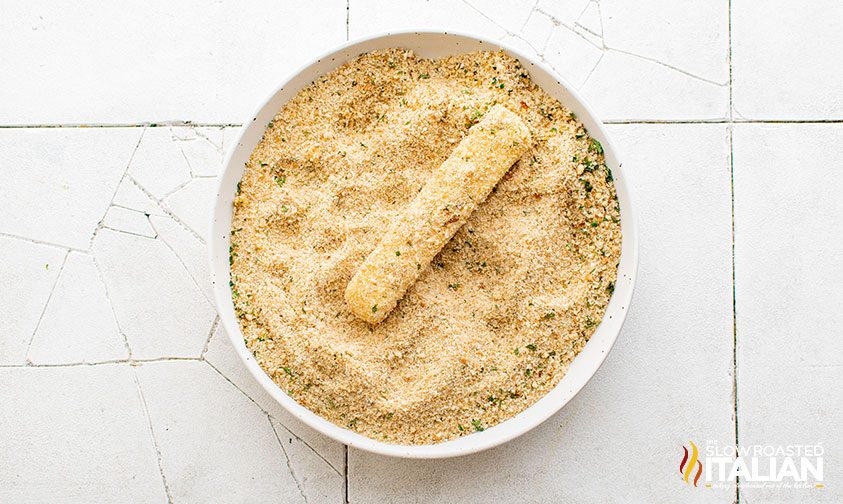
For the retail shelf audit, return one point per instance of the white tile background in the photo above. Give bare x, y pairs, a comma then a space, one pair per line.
119, 385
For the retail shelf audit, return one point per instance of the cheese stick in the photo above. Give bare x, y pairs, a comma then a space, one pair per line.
442, 206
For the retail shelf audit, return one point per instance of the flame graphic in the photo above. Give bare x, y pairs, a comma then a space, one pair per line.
686, 467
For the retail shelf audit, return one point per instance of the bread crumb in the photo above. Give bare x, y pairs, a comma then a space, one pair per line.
495, 320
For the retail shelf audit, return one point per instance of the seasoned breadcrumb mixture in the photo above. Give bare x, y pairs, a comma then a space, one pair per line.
493, 323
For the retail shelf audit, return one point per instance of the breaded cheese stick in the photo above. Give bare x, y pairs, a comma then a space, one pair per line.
442, 206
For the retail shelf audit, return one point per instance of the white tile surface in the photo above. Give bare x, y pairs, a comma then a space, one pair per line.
216, 445
572, 55
78, 433
63, 180
159, 165
158, 306
31, 270
202, 148
193, 204
565, 11
75, 435
78, 324
369, 18
786, 59
129, 195
624, 87
317, 479
157, 61
788, 243
645, 402
128, 221
187, 248
787, 264
692, 36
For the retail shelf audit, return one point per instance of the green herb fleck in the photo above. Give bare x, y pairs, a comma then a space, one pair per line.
549, 315
595, 146
532, 347
424, 76
477, 426
280, 180
397, 253
374, 308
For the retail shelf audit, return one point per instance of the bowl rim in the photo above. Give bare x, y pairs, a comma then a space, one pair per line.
535, 414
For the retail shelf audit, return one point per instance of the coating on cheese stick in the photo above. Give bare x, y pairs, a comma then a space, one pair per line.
443, 205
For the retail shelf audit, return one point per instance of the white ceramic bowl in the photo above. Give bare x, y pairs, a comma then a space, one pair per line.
427, 44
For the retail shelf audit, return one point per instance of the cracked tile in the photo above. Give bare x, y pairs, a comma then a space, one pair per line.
193, 204
505, 13
129, 195
216, 445
189, 250
521, 44
591, 21
571, 55
202, 147
318, 480
678, 335
221, 355
78, 324
31, 270
192, 61
628, 87
537, 31
786, 59
159, 165
129, 221
159, 308
563, 11
691, 35
75, 435
367, 18
74, 173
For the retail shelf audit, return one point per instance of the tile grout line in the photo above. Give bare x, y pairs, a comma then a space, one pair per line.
734, 289
345, 474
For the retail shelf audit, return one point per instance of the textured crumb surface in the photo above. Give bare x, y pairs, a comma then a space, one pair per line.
494, 321
442, 206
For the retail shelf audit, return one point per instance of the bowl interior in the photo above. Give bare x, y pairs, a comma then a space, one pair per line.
426, 44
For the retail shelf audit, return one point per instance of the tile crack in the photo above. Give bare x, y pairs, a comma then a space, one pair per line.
287, 458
